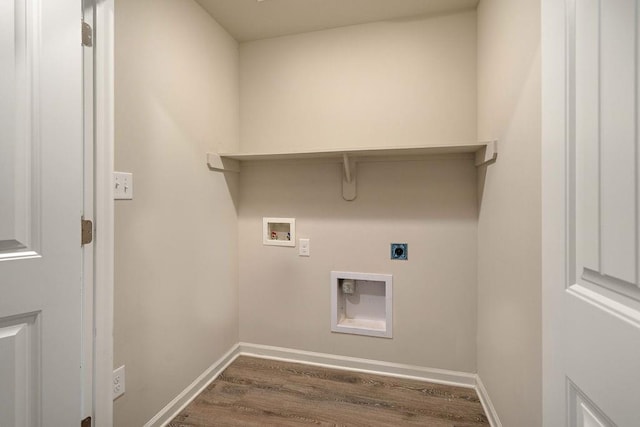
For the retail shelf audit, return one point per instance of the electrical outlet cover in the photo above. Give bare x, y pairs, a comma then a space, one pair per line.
400, 251
118, 382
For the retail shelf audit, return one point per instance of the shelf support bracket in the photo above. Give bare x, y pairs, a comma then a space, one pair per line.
348, 178
221, 164
488, 154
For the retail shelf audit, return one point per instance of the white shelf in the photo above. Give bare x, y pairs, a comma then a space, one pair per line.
485, 153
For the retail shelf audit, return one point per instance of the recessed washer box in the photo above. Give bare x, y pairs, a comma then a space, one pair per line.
279, 231
362, 303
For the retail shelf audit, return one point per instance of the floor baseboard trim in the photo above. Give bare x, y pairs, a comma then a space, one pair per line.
487, 405
181, 401
439, 376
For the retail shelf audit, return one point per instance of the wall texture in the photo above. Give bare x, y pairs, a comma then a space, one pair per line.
429, 204
402, 82
176, 297
509, 228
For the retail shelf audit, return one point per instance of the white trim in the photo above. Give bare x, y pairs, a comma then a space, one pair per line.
606, 303
398, 370
487, 405
187, 395
554, 45
12, 256
104, 244
88, 250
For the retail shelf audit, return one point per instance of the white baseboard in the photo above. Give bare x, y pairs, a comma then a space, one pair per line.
181, 401
488, 407
439, 376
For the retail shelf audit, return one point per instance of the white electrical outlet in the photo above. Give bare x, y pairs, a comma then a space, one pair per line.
118, 382
122, 186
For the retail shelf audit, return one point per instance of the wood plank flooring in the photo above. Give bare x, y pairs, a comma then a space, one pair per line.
260, 392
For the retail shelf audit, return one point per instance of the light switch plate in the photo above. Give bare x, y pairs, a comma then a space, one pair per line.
305, 247
122, 186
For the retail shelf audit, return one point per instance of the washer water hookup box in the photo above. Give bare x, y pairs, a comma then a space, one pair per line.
279, 231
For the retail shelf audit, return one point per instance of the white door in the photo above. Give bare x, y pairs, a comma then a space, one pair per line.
591, 212
40, 209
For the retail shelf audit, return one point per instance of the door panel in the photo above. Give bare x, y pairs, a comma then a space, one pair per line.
19, 140
601, 354
605, 146
19, 372
599, 326
40, 251
582, 412
618, 163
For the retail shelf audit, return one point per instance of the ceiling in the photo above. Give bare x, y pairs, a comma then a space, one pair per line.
248, 20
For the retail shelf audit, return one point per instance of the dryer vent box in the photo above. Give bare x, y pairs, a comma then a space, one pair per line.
362, 303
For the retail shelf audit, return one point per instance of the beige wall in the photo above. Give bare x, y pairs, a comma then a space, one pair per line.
176, 297
392, 83
384, 84
471, 276
431, 205
509, 230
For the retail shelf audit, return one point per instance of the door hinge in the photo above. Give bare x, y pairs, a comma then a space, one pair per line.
87, 35
87, 231
86, 422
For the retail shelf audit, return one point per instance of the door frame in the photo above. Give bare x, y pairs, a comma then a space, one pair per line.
555, 208
88, 76
104, 37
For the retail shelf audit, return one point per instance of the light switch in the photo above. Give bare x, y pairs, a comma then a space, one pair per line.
122, 186
304, 248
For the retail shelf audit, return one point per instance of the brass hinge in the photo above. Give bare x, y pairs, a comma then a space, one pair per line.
86, 422
87, 231
87, 35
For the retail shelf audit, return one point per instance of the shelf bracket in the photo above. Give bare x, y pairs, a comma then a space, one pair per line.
488, 154
221, 164
348, 178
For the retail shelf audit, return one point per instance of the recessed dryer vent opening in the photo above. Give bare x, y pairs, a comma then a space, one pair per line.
362, 304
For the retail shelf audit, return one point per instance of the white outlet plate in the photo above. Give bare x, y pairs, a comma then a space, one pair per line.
118, 382
122, 186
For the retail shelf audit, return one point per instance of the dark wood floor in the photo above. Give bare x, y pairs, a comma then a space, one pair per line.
260, 392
